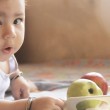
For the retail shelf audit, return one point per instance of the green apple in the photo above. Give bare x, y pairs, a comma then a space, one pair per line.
84, 87
83, 105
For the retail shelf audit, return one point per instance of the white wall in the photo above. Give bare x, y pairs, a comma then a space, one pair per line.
66, 29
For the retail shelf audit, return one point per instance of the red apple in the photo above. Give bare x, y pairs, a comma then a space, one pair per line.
98, 79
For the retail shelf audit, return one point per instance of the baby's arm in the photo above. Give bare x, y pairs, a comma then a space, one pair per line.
19, 88
47, 103
13, 105
44, 103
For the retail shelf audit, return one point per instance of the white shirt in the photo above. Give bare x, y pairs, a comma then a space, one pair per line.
5, 78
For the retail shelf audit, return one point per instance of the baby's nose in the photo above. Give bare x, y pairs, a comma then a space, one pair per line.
9, 32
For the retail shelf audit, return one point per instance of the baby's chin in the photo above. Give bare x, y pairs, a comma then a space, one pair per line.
4, 58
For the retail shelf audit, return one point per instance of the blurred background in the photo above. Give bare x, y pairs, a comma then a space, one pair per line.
66, 29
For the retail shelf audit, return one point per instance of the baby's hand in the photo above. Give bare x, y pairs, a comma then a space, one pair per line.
47, 103
19, 88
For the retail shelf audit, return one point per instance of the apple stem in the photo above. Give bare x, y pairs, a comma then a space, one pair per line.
91, 91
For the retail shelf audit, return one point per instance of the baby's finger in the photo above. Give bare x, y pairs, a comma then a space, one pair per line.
16, 95
59, 103
58, 108
24, 94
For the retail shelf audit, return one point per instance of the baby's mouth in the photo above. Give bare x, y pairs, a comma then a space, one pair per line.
7, 50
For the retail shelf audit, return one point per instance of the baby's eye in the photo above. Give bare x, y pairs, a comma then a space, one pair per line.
1, 23
18, 21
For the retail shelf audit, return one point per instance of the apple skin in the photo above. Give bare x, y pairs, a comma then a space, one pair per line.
84, 87
98, 79
87, 104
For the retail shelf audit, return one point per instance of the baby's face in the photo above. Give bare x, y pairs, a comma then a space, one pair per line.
12, 27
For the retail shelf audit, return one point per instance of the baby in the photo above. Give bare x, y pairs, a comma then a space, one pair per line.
12, 28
